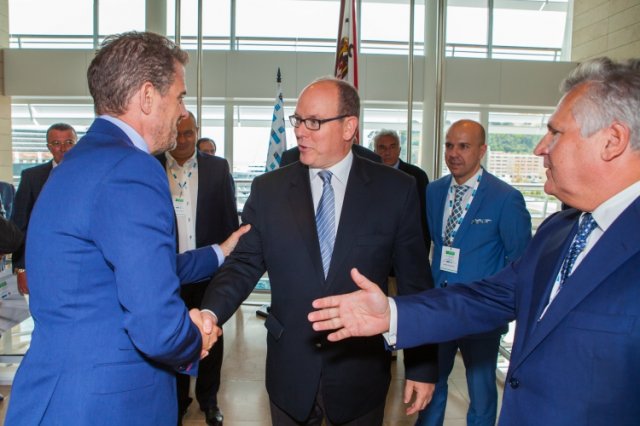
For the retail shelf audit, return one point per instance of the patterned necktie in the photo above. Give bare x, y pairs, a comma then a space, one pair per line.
577, 245
456, 213
326, 220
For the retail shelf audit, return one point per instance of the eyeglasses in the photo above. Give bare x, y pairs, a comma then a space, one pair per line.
312, 123
58, 144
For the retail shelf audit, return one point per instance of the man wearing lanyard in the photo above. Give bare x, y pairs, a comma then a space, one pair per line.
478, 225
202, 193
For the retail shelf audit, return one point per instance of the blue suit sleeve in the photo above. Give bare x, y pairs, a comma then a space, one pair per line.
134, 229
196, 265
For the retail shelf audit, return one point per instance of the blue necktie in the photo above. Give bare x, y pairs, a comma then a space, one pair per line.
326, 220
578, 244
456, 213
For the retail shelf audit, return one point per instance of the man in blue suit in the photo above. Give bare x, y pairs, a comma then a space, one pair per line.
479, 224
574, 292
110, 327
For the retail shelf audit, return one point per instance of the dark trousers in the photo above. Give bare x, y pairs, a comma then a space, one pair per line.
208, 380
281, 418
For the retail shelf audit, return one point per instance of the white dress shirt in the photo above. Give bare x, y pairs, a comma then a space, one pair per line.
183, 183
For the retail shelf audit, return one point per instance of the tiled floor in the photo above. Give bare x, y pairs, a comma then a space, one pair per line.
243, 398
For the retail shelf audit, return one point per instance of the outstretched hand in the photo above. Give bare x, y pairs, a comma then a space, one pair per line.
230, 244
364, 312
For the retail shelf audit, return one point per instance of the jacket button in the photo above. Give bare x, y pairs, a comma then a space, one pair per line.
514, 383
444, 284
318, 345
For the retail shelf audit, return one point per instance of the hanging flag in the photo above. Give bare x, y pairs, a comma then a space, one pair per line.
278, 138
347, 49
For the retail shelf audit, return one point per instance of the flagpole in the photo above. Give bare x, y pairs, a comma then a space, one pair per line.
412, 11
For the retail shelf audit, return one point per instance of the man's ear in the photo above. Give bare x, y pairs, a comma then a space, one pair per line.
147, 95
617, 142
350, 127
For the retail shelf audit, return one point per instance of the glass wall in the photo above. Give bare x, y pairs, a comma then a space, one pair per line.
511, 29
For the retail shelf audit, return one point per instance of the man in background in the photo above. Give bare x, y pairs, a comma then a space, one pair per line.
202, 194
61, 137
386, 143
207, 146
479, 224
574, 292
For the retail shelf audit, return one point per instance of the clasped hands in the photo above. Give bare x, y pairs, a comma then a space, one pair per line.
209, 330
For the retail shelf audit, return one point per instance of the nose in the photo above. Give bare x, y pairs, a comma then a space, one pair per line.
542, 147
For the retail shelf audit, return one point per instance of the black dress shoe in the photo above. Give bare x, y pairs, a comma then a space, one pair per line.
213, 416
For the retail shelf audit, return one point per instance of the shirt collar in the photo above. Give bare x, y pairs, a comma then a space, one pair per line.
340, 170
470, 182
171, 162
134, 136
606, 213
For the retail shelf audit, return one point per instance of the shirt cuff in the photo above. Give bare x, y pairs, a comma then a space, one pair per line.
211, 312
216, 248
391, 335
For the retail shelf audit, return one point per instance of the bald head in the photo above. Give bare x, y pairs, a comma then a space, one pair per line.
464, 148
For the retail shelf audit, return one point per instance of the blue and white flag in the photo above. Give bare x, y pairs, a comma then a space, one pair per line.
278, 138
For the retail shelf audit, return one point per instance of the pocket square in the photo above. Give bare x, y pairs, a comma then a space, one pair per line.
480, 221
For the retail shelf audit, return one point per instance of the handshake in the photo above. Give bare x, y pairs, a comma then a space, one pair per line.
207, 323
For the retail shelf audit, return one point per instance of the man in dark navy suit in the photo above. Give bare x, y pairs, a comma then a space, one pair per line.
61, 137
574, 293
386, 144
311, 222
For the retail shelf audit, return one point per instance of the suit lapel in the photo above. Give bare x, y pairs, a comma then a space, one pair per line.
301, 205
473, 208
352, 208
614, 248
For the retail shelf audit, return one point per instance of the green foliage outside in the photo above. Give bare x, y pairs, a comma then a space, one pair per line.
519, 144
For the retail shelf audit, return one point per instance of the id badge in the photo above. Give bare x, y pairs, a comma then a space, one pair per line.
450, 259
179, 206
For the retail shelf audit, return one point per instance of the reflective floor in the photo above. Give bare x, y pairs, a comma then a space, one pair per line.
243, 398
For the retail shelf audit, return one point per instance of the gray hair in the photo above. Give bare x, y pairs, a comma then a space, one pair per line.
61, 127
125, 62
384, 133
612, 93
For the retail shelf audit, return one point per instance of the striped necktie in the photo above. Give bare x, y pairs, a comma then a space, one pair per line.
326, 220
456, 213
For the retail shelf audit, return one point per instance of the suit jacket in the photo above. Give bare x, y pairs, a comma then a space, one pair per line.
578, 365
104, 280
10, 236
216, 214
421, 185
379, 228
495, 231
32, 181
293, 154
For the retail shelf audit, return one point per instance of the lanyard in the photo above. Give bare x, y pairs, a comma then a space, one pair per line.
466, 207
183, 185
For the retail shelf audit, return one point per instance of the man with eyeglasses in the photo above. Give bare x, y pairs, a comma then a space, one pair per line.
61, 137
311, 223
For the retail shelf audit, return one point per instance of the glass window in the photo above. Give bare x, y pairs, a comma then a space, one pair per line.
216, 23
212, 125
60, 17
518, 34
113, 20
384, 27
512, 136
51, 24
307, 22
467, 29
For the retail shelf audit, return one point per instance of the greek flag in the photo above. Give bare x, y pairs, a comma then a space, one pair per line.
278, 138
